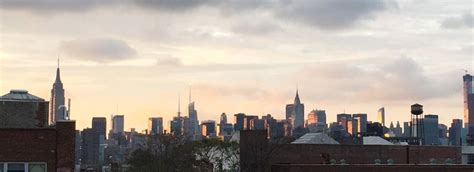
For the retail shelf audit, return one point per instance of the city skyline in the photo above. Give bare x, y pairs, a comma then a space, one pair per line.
240, 57
374, 117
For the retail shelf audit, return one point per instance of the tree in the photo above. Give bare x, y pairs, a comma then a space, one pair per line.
171, 153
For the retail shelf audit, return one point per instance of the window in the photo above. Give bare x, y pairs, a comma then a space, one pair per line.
36, 167
1, 167
16, 167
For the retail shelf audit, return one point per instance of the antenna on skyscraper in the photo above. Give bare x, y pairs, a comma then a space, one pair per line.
179, 104
58, 60
68, 109
189, 94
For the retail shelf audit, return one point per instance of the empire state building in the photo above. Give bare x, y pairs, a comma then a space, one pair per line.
57, 108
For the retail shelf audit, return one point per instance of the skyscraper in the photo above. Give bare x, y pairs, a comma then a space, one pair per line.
343, 120
208, 128
469, 108
239, 121
455, 132
155, 125
117, 124
316, 116
398, 130
57, 109
99, 125
431, 133
224, 128
193, 128
295, 112
381, 116
90, 148
362, 122
406, 129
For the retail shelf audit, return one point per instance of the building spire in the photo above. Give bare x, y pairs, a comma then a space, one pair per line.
179, 104
297, 97
58, 74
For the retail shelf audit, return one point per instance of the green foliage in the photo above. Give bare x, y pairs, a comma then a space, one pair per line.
170, 153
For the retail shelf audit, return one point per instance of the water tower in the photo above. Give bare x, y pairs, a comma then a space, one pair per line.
417, 128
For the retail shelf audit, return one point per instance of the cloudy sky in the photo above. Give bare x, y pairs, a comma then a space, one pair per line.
135, 57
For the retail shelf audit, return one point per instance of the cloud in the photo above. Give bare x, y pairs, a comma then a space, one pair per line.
331, 14
462, 21
98, 50
324, 14
169, 61
256, 28
393, 80
173, 5
48, 6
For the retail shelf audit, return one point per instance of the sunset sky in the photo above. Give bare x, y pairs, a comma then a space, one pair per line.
135, 57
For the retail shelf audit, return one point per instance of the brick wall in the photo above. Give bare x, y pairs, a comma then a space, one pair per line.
371, 168
256, 155
66, 141
55, 146
28, 145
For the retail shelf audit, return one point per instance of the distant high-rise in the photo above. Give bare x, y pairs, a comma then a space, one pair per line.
239, 121
295, 112
193, 129
398, 130
362, 122
117, 124
247, 120
155, 125
316, 116
406, 129
343, 120
443, 134
469, 108
224, 128
208, 128
381, 116
90, 148
353, 126
431, 133
99, 125
57, 109
455, 132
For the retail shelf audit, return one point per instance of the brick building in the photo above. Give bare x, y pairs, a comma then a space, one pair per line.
19, 109
38, 149
257, 154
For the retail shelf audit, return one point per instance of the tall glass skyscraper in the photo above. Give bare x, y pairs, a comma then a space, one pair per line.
381, 116
469, 108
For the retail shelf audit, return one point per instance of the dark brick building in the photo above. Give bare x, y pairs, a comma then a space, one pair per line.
38, 149
19, 109
257, 154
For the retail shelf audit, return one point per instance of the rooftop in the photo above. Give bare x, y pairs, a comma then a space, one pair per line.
375, 140
20, 95
315, 138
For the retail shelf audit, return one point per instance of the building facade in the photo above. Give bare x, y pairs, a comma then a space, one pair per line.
118, 124
455, 132
19, 109
38, 149
381, 116
468, 91
155, 125
431, 130
57, 109
295, 112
